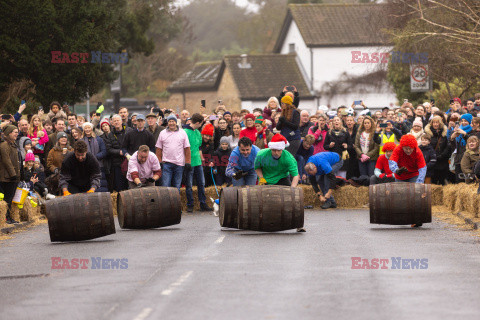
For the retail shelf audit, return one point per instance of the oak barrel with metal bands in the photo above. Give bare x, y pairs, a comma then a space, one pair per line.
400, 203
82, 216
262, 208
228, 208
150, 207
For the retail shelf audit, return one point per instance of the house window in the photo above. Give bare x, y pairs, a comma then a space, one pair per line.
291, 48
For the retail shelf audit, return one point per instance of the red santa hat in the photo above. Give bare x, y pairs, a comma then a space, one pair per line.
278, 142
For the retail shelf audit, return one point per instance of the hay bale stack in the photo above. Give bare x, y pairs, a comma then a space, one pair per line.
28, 212
15, 212
346, 197
114, 196
470, 200
351, 197
437, 195
462, 195
209, 193
3, 213
450, 194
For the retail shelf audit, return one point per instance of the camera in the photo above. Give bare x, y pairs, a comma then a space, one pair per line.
383, 125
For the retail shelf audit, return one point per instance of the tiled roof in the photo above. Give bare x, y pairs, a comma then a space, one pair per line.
266, 75
203, 76
332, 25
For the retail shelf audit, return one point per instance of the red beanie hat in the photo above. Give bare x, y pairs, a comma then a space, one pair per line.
408, 140
208, 130
389, 146
249, 116
278, 142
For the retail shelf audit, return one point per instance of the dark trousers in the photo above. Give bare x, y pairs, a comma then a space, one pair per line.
120, 182
40, 188
284, 182
375, 180
9, 189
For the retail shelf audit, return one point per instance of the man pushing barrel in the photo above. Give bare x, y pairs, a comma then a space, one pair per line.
80, 171
143, 168
241, 163
275, 164
321, 169
407, 162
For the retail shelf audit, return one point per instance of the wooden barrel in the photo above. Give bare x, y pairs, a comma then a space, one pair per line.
80, 216
400, 203
270, 208
150, 207
228, 209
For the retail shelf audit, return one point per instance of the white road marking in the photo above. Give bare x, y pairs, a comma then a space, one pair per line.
177, 283
220, 240
144, 314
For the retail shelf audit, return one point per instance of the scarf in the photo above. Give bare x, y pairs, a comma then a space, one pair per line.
461, 138
417, 134
92, 145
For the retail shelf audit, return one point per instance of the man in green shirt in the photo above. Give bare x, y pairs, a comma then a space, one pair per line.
195, 139
275, 164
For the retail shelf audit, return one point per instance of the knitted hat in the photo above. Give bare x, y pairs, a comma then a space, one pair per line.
24, 142
457, 100
105, 120
287, 100
61, 135
227, 112
249, 116
172, 117
389, 146
29, 156
87, 124
408, 140
260, 120
9, 129
417, 122
224, 139
208, 130
278, 142
467, 116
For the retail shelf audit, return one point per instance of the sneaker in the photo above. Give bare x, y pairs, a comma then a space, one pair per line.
301, 230
333, 205
327, 205
11, 221
49, 196
204, 207
189, 208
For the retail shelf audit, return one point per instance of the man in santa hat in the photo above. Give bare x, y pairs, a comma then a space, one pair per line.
275, 164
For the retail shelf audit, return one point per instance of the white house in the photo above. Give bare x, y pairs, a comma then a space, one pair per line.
341, 52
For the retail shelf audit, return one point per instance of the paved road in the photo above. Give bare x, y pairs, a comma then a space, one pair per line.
197, 271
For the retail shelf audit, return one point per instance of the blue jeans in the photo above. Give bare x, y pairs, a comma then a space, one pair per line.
367, 168
249, 180
323, 182
198, 172
172, 175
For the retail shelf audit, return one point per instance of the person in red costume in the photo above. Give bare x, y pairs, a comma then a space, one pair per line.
407, 162
382, 169
250, 131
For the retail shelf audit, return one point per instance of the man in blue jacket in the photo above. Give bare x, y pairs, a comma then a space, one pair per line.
241, 164
321, 169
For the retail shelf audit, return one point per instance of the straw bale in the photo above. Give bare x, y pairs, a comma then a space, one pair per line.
3, 213
437, 195
450, 193
114, 196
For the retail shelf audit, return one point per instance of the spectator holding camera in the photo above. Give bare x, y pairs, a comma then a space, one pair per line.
143, 168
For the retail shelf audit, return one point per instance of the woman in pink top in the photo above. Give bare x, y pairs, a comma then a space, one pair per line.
39, 137
319, 131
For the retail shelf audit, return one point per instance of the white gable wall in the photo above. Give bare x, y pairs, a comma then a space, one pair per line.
329, 63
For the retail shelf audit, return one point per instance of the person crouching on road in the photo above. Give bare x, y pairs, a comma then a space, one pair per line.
407, 161
275, 164
143, 168
241, 163
80, 171
321, 169
382, 173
